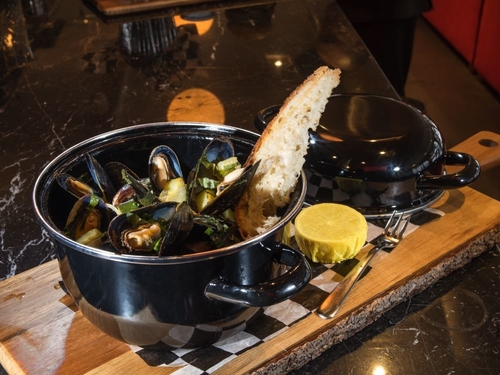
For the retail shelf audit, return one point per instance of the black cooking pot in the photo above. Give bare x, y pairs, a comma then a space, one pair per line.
183, 301
377, 155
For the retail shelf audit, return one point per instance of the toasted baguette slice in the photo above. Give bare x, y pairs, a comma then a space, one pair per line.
282, 149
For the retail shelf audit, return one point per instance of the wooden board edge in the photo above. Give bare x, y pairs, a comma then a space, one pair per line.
8, 362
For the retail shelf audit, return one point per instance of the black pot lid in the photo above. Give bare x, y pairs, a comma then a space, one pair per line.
378, 154
374, 138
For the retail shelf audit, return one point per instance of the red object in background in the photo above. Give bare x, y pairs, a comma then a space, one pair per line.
472, 27
458, 22
487, 59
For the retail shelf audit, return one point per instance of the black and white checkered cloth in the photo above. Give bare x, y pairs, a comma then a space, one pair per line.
275, 319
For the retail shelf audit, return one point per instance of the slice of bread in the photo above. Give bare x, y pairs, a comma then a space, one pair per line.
282, 149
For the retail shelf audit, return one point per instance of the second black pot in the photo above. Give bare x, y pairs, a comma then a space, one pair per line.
377, 155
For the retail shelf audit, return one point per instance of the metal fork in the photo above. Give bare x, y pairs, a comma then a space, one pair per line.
388, 239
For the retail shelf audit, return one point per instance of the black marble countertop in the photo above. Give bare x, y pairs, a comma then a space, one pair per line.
69, 75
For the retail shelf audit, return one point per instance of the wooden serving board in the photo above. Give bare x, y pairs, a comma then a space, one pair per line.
41, 330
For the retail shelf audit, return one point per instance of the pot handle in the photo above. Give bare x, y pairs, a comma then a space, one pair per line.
266, 293
468, 174
264, 116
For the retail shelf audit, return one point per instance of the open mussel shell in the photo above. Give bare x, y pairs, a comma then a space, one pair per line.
151, 228
222, 233
115, 171
125, 194
230, 188
101, 178
231, 191
143, 194
178, 230
219, 149
128, 185
74, 186
163, 166
89, 212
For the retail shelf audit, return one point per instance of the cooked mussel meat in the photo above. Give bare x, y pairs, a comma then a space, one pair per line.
137, 231
165, 174
88, 220
154, 228
142, 194
74, 186
142, 238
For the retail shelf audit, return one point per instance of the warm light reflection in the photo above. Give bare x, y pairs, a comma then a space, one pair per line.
382, 152
278, 60
202, 25
379, 370
85, 21
9, 41
196, 104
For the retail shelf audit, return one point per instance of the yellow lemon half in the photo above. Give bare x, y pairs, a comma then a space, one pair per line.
330, 233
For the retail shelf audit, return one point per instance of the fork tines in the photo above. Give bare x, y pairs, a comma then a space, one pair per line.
392, 229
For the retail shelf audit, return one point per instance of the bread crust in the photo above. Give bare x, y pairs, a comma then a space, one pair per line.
282, 148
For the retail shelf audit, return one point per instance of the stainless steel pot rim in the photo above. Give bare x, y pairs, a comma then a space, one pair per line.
45, 178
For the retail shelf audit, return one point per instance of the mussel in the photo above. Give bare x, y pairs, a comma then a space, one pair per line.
163, 166
140, 193
178, 230
74, 186
218, 179
101, 178
117, 171
98, 183
165, 174
230, 189
157, 214
88, 220
155, 228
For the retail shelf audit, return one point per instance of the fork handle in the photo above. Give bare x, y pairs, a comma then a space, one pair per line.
332, 303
